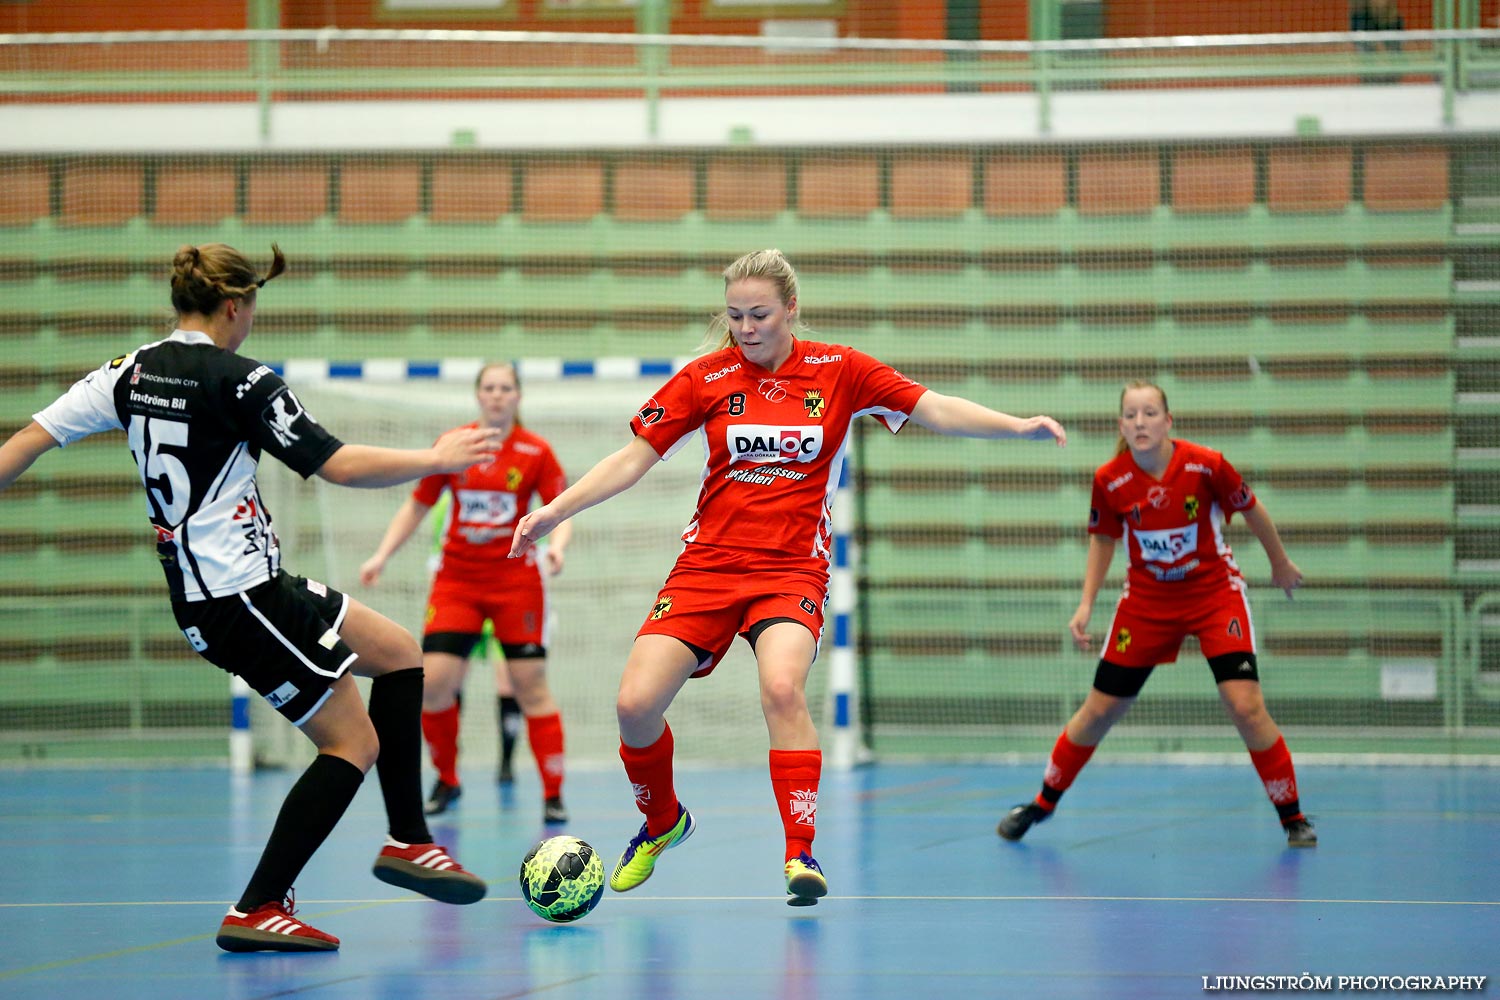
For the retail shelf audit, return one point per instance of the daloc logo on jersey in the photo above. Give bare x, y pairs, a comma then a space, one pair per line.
1167, 546
767, 443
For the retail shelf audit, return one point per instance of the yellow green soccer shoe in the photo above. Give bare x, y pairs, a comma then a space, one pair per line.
639, 860
804, 881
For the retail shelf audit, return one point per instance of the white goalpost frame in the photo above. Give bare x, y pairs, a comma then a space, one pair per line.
450, 374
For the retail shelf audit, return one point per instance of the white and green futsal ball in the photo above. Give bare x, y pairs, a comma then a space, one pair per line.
562, 879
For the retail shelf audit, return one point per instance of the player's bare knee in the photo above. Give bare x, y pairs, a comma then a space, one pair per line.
782, 698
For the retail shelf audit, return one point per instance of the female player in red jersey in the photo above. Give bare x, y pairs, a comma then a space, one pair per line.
775, 410
197, 416
475, 582
1171, 500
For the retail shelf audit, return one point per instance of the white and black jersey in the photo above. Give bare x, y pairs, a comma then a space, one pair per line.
197, 418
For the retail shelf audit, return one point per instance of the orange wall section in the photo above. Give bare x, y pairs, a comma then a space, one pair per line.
999, 19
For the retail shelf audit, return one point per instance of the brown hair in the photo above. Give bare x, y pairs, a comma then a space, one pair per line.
514, 372
204, 277
1121, 447
771, 265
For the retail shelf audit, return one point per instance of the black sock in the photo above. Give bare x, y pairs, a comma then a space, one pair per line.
308, 815
396, 712
510, 726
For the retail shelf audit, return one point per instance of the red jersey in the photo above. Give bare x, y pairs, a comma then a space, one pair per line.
1175, 524
490, 497
775, 441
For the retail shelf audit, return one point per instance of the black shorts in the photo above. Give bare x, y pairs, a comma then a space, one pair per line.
280, 636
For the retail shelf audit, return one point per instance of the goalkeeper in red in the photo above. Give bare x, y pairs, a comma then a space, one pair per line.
1170, 499
774, 409
475, 583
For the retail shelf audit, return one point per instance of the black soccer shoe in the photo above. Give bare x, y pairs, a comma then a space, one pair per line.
553, 810
443, 795
1300, 833
1019, 820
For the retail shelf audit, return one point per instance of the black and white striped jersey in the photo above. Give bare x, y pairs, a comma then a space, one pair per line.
197, 418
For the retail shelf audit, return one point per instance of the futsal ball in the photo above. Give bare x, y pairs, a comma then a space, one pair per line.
562, 879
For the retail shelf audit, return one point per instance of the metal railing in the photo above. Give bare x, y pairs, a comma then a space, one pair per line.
272, 65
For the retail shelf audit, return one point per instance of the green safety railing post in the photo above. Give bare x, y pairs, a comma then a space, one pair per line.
1046, 25
264, 15
652, 17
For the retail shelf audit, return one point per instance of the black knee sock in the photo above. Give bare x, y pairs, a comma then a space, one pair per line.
510, 726
308, 815
396, 712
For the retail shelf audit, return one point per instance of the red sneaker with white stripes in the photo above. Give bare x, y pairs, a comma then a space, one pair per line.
428, 869
271, 927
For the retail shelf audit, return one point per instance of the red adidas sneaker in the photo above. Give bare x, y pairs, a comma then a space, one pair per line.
428, 869
271, 927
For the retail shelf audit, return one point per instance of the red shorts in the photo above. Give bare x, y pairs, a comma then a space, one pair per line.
1146, 630
714, 594
515, 602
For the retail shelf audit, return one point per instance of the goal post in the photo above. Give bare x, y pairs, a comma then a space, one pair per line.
621, 553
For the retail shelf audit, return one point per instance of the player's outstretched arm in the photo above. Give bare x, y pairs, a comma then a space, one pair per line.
21, 449
1284, 572
613, 474
408, 516
370, 466
959, 417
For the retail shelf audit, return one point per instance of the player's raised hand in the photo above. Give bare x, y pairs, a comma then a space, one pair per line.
465, 446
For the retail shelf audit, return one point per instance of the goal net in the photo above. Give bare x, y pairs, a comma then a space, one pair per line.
1283, 235
618, 559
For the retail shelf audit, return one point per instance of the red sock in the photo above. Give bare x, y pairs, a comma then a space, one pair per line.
1063, 766
545, 733
650, 772
441, 732
794, 779
1274, 765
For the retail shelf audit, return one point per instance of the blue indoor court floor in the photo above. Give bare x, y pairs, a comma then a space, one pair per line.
1150, 878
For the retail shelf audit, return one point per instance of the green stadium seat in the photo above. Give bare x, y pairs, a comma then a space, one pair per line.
279, 192
654, 190
1025, 184
1119, 183
931, 185
1317, 179
25, 192
194, 194
838, 186
744, 186
102, 194
381, 191
562, 190
1216, 180
1405, 179
470, 191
